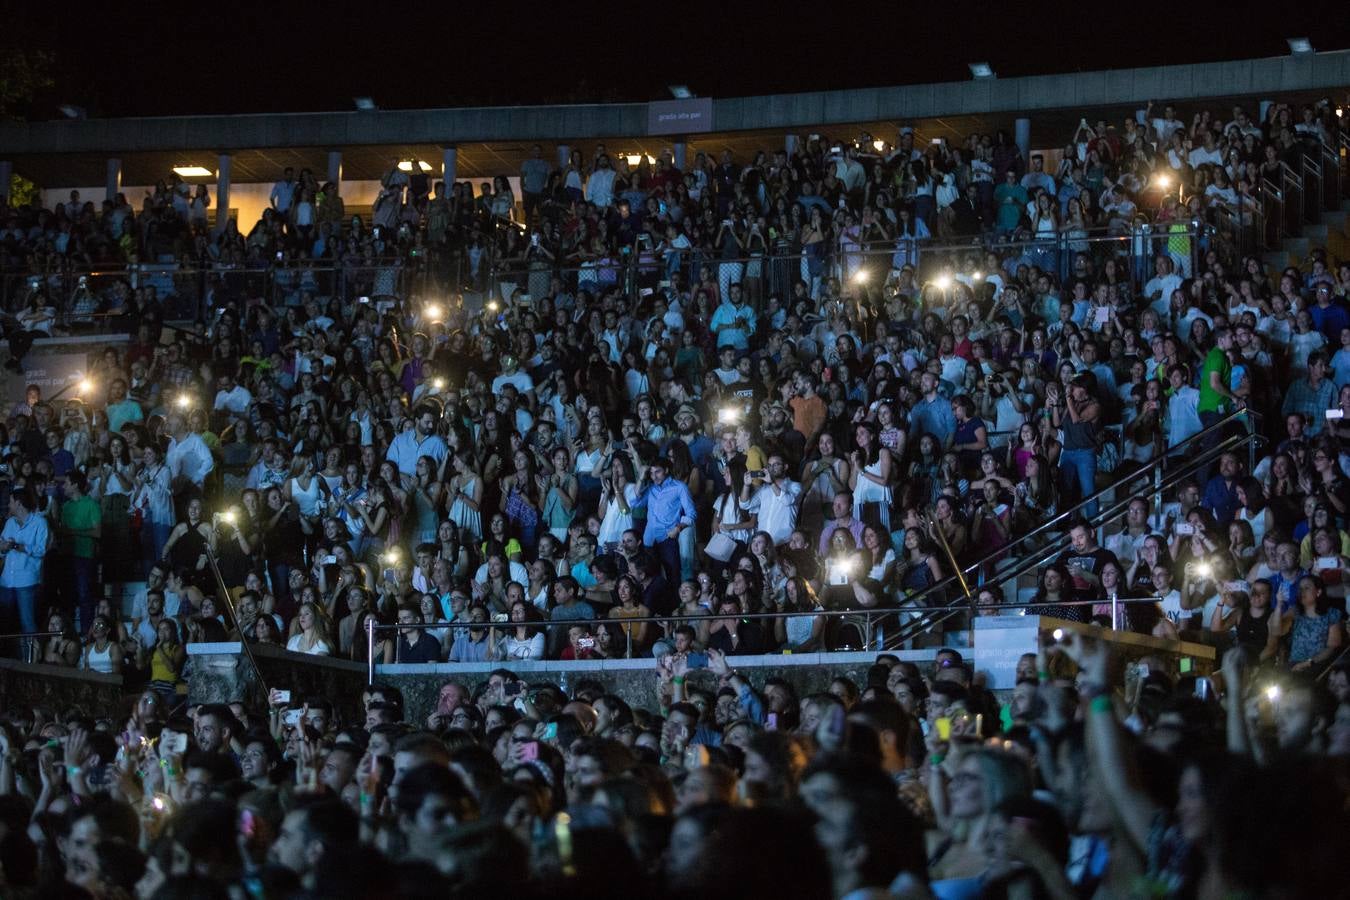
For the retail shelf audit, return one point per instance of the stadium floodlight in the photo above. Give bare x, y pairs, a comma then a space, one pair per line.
980, 70
1299, 46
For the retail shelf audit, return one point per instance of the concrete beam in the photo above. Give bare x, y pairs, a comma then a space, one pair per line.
783, 112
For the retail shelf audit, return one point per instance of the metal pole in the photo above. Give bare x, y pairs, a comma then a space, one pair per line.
370, 650
224, 593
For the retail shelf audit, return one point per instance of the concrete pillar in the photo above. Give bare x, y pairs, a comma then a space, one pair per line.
114, 178
564, 154
335, 169
790, 145
1022, 137
6, 176
449, 166
681, 154
223, 190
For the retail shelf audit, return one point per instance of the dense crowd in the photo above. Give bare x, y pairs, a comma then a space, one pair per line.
914, 783
706, 411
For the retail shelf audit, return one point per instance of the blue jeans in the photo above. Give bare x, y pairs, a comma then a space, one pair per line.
153, 539
20, 602
1081, 466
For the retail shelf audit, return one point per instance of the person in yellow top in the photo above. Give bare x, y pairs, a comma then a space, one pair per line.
637, 634
755, 460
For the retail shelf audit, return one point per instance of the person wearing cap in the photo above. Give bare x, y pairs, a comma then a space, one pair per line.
687, 429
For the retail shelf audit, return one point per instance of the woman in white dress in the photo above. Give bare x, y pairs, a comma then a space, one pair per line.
871, 477
617, 496
464, 493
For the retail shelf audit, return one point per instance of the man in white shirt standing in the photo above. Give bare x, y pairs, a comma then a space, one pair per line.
1183, 416
776, 500
188, 459
600, 186
417, 442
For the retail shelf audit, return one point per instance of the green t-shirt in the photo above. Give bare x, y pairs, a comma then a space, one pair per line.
1210, 399
81, 514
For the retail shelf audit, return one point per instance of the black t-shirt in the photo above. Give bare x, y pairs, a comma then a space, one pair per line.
426, 649
1092, 561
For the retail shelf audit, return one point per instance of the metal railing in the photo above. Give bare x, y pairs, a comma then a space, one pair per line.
667, 622
31, 647
1032, 559
644, 269
90, 298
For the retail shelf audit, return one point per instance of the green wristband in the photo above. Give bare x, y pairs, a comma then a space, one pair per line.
1101, 703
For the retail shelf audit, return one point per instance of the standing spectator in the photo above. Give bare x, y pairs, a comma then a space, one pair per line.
24, 541
82, 527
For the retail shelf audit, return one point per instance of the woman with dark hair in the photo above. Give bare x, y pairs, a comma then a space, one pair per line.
523, 640
729, 519
1315, 629
1254, 509
636, 636
520, 499
870, 477
1054, 594
798, 633
918, 569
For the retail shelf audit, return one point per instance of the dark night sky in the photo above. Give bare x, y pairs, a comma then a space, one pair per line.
157, 58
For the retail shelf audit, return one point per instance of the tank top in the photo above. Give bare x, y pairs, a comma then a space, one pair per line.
1080, 435
306, 500
96, 661
160, 667
1253, 632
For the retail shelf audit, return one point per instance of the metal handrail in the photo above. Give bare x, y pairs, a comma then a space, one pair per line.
223, 593
1205, 457
372, 626
1156, 463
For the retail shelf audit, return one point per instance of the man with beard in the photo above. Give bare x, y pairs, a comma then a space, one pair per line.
687, 429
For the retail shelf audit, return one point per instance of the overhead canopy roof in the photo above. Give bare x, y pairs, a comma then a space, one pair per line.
495, 140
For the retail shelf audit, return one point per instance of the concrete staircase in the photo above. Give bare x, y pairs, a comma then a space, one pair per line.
1332, 231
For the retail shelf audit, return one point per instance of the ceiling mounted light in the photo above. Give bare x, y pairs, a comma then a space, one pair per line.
193, 171
365, 104
1299, 46
980, 70
405, 165
680, 92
